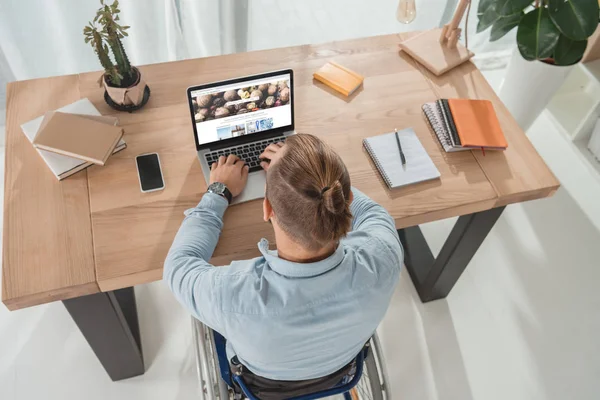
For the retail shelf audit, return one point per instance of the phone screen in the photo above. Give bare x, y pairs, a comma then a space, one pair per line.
149, 171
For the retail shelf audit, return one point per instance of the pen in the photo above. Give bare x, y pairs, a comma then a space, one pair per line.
400, 147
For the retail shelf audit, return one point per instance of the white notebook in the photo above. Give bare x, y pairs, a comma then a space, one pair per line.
384, 152
63, 166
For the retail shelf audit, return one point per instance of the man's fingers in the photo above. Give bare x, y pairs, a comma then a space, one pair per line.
240, 164
264, 165
272, 150
245, 170
263, 154
213, 166
274, 147
268, 153
222, 160
231, 159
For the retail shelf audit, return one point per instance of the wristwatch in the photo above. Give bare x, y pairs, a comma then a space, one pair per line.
220, 189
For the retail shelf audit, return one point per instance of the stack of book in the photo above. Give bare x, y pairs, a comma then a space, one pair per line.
74, 137
463, 124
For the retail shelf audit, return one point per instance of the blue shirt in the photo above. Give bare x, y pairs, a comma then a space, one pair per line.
287, 320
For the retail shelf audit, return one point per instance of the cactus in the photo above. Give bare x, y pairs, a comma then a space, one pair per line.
121, 57
105, 30
93, 36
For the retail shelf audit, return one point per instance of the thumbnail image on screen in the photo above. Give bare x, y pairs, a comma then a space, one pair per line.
241, 101
243, 108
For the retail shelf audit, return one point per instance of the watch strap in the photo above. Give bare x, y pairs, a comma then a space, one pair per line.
227, 195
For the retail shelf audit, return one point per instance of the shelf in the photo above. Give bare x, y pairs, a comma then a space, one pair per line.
572, 110
575, 105
588, 158
579, 149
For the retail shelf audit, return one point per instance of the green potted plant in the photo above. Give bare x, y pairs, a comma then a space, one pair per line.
551, 37
125, 90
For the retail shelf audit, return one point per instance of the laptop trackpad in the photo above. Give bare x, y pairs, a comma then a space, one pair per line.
255, 189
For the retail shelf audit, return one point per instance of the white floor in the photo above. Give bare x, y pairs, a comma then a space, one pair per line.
522, 322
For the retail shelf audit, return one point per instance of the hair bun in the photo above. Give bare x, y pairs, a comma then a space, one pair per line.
333, 198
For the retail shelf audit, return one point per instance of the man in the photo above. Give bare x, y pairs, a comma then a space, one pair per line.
305, 310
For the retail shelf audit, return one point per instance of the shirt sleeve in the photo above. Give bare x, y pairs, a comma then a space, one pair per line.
193, 280
371, 218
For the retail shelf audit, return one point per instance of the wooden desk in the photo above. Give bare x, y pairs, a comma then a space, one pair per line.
95, 232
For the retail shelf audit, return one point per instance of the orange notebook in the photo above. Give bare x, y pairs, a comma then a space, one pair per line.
477, 124
339, 78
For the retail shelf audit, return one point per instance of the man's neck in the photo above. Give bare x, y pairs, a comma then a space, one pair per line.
291, 251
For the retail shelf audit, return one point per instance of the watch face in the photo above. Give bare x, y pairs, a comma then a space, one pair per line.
217, 187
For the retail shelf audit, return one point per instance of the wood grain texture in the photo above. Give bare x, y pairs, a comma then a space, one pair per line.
47, 248
133, 231
516, 174
437, 58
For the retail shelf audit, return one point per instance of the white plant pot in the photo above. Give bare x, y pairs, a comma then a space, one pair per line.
529, 86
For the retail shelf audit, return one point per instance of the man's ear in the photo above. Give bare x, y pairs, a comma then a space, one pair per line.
267, 210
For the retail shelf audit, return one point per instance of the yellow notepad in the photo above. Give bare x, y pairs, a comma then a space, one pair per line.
339, 78
80, 137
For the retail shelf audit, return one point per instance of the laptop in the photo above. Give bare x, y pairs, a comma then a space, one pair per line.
242, 116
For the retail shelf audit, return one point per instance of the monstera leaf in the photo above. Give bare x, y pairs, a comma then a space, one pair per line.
537, 35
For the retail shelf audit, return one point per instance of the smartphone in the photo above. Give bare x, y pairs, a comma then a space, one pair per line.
149, 172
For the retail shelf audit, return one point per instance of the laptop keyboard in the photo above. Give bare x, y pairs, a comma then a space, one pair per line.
247, 152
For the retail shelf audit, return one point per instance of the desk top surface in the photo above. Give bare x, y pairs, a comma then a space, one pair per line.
95, 231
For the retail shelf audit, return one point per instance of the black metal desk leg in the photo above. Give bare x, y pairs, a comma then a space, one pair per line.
434, 278
109, 323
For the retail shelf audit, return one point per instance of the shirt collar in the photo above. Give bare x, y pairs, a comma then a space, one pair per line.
300, 270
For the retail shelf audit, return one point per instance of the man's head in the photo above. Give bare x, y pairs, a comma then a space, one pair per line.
308, 193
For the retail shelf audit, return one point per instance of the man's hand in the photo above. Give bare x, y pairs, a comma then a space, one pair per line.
230, 171
272, 153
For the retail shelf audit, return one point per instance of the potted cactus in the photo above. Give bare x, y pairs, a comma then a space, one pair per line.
125, 90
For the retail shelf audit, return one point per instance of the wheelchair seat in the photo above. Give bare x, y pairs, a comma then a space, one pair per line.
220, 378
253, 386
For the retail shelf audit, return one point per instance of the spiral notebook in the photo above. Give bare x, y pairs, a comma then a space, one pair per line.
385, 154
434, 114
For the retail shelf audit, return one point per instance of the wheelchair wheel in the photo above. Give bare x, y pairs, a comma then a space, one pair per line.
373, 383
211, 385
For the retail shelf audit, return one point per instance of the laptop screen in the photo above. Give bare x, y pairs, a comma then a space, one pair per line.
242, 108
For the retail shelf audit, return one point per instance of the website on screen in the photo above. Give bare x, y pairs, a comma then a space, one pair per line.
242, 108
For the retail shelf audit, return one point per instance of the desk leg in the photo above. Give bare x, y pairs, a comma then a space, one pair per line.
109, 323
434, 278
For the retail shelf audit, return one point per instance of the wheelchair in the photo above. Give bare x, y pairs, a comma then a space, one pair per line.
216, 381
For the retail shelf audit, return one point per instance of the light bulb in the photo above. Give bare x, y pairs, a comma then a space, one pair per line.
407, 11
